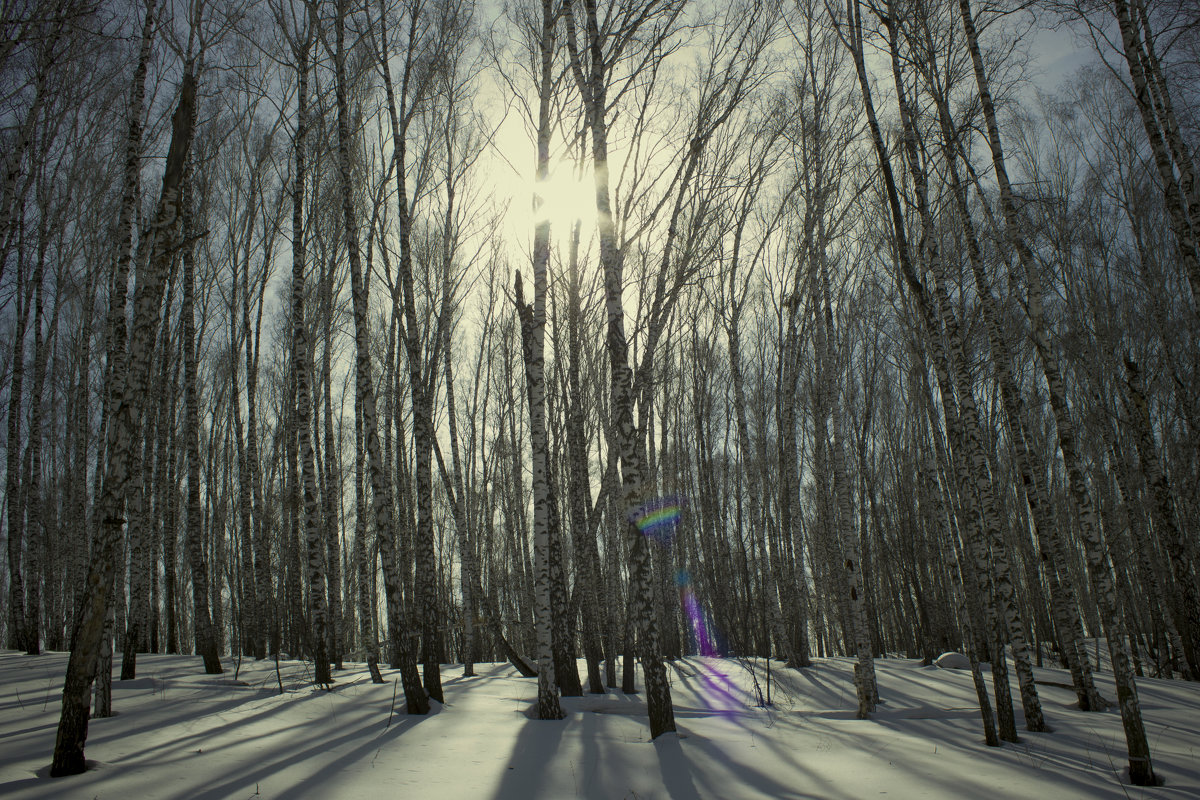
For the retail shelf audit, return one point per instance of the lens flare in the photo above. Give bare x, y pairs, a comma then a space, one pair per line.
723, 695
698, 619
657, 518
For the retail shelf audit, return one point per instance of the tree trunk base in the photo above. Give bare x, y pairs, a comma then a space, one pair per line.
373, 666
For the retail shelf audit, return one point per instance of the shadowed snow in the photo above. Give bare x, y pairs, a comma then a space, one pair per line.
182, 734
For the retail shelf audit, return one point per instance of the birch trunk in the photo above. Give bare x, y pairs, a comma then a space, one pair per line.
972, 464
593, 89
864, 672
1064, 604
16, 506
245, 582
126, 388
205, 635
260, 542
76, 504
331, 488
141, 565
416, 697
1170, 151
583, 534
301, 430
1141, 770
1166, 521
102, 695
169, 530
35, 525
425, 600
247, 585
1166, 634
466, 547
852, 38
791, 621
533, 333
958, 595
364, 555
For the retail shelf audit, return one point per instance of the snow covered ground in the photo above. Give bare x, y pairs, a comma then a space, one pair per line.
181, 734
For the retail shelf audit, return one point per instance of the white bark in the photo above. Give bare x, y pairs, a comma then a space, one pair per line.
1141, 770
126, 389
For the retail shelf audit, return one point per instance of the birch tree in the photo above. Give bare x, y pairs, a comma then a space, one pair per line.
125, 388
1140, 769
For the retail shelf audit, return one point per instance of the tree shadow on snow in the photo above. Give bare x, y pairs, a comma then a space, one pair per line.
291, 757
532, 755
676, 768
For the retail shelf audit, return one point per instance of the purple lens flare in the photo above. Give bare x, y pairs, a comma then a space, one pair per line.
658, 519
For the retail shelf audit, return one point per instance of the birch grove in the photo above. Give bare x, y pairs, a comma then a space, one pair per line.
590, 334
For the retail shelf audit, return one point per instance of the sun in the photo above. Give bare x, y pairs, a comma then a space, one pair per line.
567, 197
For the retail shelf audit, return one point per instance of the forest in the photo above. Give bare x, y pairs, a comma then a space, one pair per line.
580, 335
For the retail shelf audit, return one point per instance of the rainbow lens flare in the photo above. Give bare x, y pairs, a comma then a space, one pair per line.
657, 518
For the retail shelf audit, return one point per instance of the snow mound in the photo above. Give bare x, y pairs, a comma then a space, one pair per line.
952, 661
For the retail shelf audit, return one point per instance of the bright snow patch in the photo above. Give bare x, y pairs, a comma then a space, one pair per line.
953, 661
182, 734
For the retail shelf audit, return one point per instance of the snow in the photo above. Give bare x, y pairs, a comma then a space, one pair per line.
953, 661
182, 734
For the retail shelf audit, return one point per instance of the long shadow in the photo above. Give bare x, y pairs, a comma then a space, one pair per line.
208, 710
832, 693
26, 731
722, 773
113, 729
463, 685
186, 711
532, 754
688, 767
690, 763
676, 769
824, 689
10, 788
482, 672
176, 750
596, 766
329, 771
244, 694
1061, 773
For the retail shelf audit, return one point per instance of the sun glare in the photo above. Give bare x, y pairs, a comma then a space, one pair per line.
565, 199
566, 196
